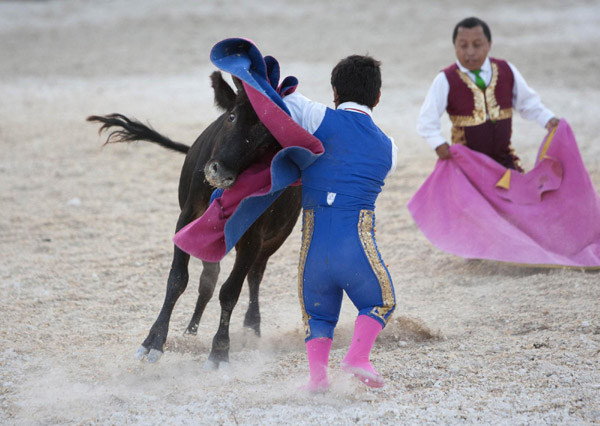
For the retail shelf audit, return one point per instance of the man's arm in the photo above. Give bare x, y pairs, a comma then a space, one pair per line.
528, 103
305, 112
394, 158
428, 123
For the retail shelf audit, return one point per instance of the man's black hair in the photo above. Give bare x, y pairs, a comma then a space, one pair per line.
357, 79
472, 22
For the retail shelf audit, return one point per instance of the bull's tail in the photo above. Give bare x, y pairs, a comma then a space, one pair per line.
132, 130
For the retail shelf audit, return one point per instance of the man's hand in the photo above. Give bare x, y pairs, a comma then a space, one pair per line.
443, 151
552, 123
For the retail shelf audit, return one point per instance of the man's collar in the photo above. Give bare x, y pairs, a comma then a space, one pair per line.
354, 107
486, 67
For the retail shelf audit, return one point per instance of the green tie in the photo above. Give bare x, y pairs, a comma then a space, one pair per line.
478, 80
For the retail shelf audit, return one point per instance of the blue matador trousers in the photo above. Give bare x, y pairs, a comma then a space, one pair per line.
339, 254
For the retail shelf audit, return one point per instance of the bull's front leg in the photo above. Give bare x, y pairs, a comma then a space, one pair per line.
152, 347
247, 251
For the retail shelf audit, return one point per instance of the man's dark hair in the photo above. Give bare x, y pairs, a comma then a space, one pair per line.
357, 79
472, 22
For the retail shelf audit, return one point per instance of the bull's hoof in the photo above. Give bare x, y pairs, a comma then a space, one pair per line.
254, 327
210, 365
151, 355
141, 353
154, 356
191, 330
219, 357
252, 321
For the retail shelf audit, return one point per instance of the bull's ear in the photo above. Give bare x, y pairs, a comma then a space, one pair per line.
238, 84
224, 94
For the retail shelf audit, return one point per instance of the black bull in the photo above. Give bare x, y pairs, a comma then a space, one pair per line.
224, 149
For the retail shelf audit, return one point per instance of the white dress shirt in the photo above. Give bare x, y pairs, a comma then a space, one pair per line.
525, 101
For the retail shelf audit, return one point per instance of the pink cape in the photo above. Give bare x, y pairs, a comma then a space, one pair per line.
475, 208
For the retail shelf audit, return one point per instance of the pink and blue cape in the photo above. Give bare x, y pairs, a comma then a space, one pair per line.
234, 210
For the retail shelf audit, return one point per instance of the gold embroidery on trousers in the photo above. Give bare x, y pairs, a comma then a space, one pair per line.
308, 224
365, 232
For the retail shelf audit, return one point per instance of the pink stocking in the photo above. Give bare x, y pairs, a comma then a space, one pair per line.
356, 360
318, 359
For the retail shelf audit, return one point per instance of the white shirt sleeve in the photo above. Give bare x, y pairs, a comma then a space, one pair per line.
436, 101
305, 112
394, 158
527, 102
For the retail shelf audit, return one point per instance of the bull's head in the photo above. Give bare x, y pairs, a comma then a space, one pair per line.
242, 138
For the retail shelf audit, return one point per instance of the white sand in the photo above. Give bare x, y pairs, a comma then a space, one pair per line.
85, 232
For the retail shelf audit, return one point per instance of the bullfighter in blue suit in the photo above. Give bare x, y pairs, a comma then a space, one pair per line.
339, 190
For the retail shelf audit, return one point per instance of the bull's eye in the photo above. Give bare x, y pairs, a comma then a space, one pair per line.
232, 117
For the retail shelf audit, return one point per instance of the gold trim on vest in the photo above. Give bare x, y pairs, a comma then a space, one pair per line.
480, 99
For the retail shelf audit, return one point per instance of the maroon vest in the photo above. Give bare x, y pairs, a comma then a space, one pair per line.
482, 120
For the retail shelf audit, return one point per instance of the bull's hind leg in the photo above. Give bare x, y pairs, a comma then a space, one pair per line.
208, 281
247, 250
289, 200
255, 276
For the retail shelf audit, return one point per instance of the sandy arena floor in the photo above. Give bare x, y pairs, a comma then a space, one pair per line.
85, 231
